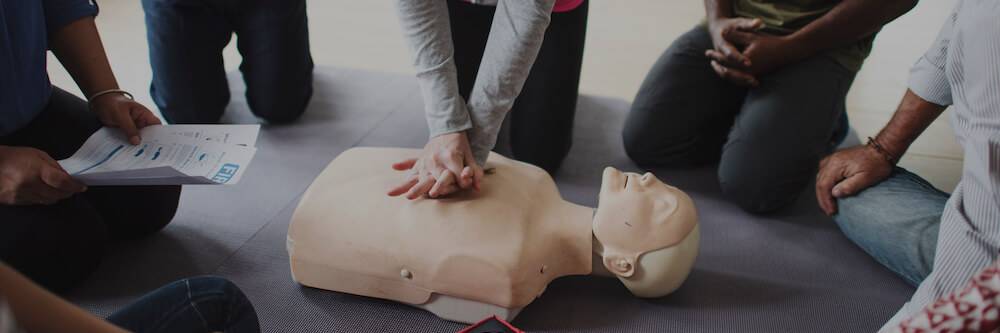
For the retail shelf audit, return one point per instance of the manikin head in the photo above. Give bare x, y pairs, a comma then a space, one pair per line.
646, 231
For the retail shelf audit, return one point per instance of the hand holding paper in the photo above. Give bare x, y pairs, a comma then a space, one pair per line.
167, 155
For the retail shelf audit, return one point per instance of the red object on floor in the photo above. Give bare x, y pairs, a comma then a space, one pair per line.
493, 325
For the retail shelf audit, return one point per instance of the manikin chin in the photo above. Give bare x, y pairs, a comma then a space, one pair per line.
477, 254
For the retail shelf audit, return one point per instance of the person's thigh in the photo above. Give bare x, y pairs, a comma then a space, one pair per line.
273, 38
896, 222
683, 110
784, 127
470, 29
60, 129
199, 304
57, 246
186, 38
541, 120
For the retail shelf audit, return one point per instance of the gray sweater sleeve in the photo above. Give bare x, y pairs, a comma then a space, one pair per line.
427, 29
515, 37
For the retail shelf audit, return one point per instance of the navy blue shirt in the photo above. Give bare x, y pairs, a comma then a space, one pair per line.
25, 26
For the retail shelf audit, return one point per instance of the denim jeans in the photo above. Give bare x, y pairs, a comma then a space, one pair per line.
186, 38
199, 304
896, 222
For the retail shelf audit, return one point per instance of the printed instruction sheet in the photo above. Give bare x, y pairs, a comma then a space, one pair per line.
168, 155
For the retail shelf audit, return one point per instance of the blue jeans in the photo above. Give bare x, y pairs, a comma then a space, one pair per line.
896, 222
186, 38
200, 304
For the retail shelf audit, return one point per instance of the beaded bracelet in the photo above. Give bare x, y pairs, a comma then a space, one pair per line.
881, 150
110, 91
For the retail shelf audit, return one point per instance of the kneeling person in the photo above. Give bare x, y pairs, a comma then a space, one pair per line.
760, 89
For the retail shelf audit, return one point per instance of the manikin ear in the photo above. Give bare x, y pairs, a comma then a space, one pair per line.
662, 271
611, 180
619, 265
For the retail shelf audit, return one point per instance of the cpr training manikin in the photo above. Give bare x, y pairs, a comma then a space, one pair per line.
476, 254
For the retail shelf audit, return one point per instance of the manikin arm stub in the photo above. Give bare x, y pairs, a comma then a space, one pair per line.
645, 232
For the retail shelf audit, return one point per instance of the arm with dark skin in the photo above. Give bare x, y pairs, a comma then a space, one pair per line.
29, 176
78, 47
846, 23
852, 170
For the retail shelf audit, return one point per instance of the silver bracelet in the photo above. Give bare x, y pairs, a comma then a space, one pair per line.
110, 91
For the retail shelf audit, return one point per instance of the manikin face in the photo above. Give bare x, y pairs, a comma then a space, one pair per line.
639, 214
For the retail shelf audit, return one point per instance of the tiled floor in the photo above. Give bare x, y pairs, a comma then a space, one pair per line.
624, 38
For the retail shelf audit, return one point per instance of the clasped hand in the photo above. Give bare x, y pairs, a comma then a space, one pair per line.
446, 165
742, 53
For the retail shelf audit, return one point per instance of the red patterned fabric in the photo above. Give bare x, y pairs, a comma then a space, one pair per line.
974, 308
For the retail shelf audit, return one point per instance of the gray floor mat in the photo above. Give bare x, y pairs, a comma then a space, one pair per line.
793, 271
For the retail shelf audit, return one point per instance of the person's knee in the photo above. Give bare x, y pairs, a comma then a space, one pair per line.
280, 108
162, 208
860, 219
224, 304
157, 210
655, 145
647, 148
215, 285
758, 190
638, 148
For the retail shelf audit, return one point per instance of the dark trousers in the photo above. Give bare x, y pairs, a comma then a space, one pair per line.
200, 304
540, 124
186, 38
59, 245
768, 140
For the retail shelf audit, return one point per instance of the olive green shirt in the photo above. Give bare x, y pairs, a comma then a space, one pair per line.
783, 17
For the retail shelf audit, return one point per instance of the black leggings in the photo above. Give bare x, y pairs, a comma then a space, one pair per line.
540, 123
59, 245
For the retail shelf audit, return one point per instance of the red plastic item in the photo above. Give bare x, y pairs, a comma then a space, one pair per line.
494, 320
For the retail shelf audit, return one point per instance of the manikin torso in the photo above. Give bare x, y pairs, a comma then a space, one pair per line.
463, 257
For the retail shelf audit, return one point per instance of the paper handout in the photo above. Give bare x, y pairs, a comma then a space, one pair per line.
168, 155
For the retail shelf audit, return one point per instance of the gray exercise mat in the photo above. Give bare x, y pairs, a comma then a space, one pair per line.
789, 272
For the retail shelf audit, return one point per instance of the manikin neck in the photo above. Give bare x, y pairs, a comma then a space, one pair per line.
580, 222
597, 261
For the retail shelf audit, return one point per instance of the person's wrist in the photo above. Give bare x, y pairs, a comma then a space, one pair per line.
105, 94
713, 22
876, 147
799, 45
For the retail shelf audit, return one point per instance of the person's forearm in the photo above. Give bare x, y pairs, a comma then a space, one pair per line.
715, 9
37, 310
911, 118
516, 35
847, 22
427, 29
78, 47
